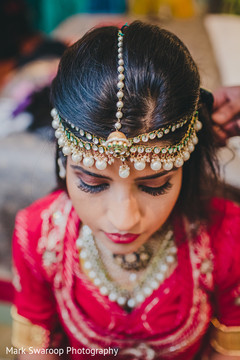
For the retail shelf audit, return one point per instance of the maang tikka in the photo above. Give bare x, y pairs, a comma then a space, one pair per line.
91, 149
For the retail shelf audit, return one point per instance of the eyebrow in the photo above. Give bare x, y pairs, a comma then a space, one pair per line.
75, 167
154, 176
157, 175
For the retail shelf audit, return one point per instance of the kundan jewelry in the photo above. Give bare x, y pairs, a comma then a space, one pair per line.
90, 149
154, 274
137, 260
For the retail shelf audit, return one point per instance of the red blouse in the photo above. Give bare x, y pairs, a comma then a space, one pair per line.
51, 290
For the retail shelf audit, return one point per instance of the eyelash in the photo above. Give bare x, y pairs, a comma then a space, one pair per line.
154, 191
92, 189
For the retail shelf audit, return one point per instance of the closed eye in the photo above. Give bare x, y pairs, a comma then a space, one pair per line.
92, 189
156, 191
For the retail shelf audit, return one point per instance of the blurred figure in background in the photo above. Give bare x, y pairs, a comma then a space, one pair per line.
226, 112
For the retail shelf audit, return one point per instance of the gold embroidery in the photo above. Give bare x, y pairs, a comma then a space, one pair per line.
25, 334
237, 301
225, 339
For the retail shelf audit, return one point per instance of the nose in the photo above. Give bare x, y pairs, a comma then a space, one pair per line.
124, 214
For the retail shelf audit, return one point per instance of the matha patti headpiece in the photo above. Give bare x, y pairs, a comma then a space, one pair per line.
92, 149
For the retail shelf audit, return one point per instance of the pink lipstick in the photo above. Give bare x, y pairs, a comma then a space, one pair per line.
122, 238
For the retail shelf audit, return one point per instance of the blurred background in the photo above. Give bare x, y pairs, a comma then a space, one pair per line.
33, 36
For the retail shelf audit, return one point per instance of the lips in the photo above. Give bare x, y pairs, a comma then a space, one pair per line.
122, 239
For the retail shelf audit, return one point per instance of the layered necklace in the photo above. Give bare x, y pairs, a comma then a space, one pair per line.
154, 267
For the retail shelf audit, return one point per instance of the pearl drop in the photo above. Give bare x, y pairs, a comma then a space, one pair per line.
120, 85
120, 94
79, 243
54, 112
66, 150
97, 281
121, 77
103, 290
61, 141
121, 300
124, 172
131, 257
195, 140
119, 114
132, 277
139, 165
156, 165
120, 68
83, 254
131, 303
119, 104
120, 55
178, 162
121, 62
186, 155
92, 274
198, 125
87, 265
58, 133
55, 124
170, 259
173, 250
140, 298
86, 230
101, 164
76, 157
88, 161
191, 147
163, 267
154, 284
147, 290
112, 296
160, 276
118, 126
168, 165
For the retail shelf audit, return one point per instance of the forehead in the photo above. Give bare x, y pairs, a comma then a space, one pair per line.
112, 171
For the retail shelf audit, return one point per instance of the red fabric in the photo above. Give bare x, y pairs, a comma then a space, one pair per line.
171, 322
225, 232
6, 291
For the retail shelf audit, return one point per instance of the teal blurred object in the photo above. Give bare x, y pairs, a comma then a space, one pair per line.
46, 15
107, 6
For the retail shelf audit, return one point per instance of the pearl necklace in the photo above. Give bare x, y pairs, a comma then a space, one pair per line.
154, 274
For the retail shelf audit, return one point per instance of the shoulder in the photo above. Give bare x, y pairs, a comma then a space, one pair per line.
224, 218
34, 223
31, 217
224, 232
43, 203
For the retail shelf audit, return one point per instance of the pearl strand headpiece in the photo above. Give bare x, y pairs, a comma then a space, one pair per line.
92, 149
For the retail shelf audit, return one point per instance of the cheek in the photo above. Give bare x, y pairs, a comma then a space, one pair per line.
79, 198
87, 207
173, 195
177, 184
160, 209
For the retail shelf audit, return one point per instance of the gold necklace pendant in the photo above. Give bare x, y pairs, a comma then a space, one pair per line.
137, 260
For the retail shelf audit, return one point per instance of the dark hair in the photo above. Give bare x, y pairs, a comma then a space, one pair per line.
162, 85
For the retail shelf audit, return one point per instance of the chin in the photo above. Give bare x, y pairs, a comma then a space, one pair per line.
123, 249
